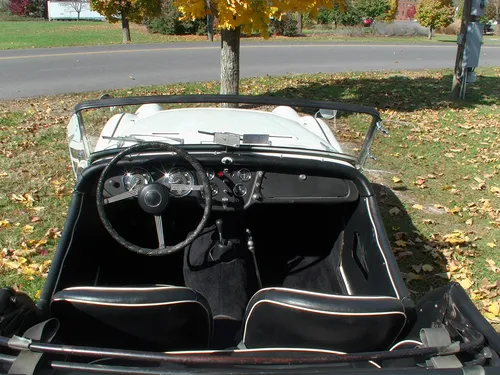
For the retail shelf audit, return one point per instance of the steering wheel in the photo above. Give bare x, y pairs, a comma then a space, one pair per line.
153, 198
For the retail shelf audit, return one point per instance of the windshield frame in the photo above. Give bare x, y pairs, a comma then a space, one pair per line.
110, 102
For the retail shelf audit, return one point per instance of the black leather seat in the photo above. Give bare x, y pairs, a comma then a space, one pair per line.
144, 318
290, 318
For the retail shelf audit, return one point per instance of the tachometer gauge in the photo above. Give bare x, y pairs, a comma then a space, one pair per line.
179, 181
136, 179
244, 174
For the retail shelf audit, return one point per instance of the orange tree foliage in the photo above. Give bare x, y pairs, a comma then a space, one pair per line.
133, 10
250, 15
391, 14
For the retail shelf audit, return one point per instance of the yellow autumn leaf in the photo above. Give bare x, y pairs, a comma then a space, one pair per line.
491, 244
400, 243
13, 265
418, 207
489, 316
465, 283
4, 224
396, 180
28, 229
494, 308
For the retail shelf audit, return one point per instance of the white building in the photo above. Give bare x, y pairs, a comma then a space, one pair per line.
66, 10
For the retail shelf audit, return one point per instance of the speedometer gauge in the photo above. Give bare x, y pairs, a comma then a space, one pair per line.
179, 181
136, 179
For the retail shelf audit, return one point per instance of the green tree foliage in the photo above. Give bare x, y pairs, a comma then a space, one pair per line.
372, 8
126, 11
435, 14
350, 17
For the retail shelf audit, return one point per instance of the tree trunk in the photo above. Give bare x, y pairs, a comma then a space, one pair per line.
230, 61
125, 29
299, 23
210, 27
78, 16
430, 32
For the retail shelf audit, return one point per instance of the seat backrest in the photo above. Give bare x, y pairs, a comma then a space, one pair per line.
291, 318
156, 318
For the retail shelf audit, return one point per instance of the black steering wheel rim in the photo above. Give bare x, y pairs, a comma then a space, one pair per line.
155, 146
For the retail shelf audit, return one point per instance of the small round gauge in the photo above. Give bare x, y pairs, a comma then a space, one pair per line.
244, 174
210, 174
215, 189
136, 179
240, 190
179, 181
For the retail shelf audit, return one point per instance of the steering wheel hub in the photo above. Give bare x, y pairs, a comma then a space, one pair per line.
153, 198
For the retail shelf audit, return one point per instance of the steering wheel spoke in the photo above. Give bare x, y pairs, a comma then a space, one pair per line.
159, 231
121, 196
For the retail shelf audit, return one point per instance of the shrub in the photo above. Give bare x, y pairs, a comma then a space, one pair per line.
287, 26
325, 16
37, 8
19, 7
452, 29
394, 29
169, 24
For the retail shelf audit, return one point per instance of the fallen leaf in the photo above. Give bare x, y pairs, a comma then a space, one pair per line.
418, 207
492, 265
396, 180
400, 243
491, 244
28, 229
427, 268
468, 222
494, 308
4, 223
465, 283
394, 211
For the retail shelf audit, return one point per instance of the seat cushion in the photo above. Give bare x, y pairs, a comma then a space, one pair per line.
143, 318
290, 318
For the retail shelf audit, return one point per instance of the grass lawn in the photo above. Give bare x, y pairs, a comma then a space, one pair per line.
41, 34
437, 175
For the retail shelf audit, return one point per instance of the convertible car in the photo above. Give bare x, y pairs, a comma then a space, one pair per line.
217, 234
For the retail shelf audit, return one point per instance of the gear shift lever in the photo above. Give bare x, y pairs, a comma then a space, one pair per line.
222, 246
218, 223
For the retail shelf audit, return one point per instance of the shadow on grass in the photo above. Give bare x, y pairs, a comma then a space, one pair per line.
418, 249
395, 91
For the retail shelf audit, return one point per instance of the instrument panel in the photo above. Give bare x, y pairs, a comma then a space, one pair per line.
233, 187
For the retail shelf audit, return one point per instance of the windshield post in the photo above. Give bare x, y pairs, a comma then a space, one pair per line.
367, 143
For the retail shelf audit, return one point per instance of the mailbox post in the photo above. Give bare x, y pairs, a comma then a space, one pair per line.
469, 47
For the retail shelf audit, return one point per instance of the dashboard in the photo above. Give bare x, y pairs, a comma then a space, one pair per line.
233, 187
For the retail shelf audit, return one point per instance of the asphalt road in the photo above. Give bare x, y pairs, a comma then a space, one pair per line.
27, 73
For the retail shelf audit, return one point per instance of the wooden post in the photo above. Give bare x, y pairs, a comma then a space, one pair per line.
458, 74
